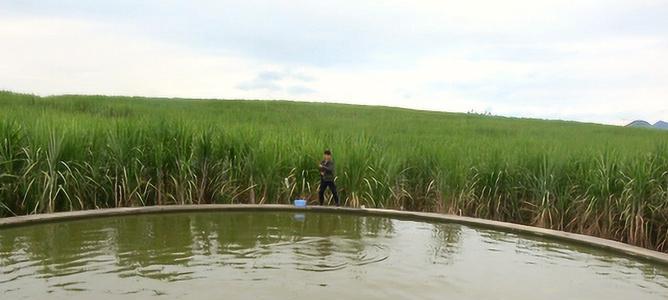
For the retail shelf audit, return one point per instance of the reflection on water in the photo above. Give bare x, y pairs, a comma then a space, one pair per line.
306, 255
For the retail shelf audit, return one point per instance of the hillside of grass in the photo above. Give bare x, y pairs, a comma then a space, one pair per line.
83, 152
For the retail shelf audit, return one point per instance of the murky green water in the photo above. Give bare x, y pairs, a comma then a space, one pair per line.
281, 255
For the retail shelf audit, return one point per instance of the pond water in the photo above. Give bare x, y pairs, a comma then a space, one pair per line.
287, 255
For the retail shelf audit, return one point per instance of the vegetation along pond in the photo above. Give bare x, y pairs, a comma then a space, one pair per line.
309, 255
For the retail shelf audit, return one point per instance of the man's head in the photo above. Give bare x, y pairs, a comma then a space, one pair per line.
327, 155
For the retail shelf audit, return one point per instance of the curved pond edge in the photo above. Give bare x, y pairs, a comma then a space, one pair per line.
610, 245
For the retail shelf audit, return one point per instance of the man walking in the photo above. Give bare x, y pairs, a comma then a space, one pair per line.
327, 177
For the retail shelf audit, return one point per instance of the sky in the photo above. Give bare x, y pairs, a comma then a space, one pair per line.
602, 61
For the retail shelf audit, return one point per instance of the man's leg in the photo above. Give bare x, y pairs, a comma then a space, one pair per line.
321, 191
332, 187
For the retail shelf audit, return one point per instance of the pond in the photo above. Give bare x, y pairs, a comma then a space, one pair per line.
309, 255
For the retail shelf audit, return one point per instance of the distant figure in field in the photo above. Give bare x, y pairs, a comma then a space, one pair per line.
327, 177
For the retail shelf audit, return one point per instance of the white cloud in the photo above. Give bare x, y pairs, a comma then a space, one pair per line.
53, 56
590, 60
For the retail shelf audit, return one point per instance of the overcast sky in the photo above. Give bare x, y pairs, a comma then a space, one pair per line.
602, 61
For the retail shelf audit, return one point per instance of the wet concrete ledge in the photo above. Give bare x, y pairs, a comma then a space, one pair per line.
617, 247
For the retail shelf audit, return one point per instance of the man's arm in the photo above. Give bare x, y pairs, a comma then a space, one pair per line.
328, 166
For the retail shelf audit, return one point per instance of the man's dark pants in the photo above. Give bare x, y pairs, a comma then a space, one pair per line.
332, 187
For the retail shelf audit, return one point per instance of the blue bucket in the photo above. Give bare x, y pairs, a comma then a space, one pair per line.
300, 203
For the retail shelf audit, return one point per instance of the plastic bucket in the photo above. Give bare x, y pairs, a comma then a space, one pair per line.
300, 203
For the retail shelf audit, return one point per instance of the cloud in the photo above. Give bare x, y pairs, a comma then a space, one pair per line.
594, 60
277, 81
364, 33
54, 56
263, 81
300, 90
270, 76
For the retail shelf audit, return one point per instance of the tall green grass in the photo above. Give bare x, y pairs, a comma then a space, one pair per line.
85, 152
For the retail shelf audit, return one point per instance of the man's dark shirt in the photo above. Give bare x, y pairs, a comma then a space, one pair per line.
327, 167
